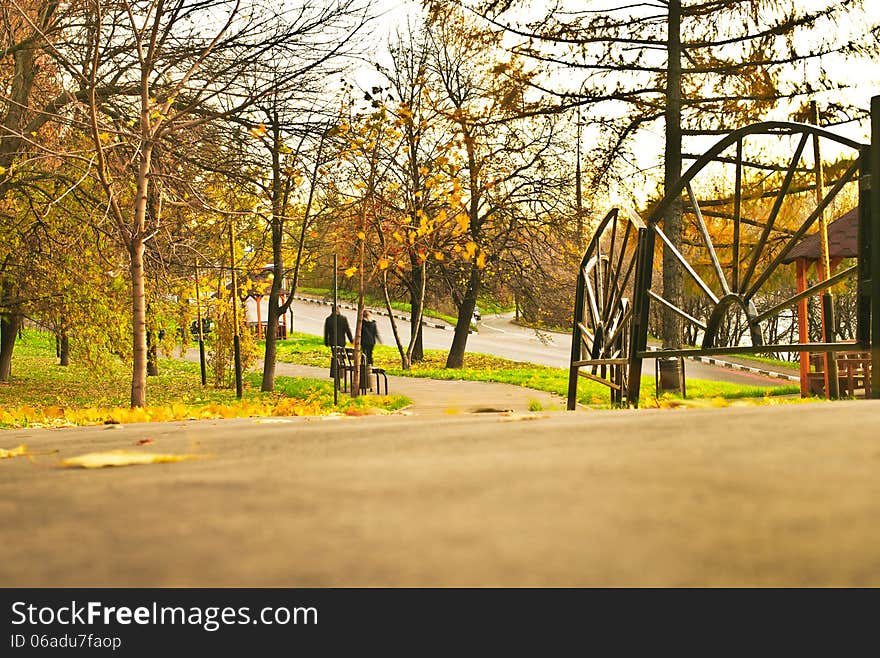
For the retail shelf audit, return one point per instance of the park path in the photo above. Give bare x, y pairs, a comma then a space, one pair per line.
440, 396
782, 495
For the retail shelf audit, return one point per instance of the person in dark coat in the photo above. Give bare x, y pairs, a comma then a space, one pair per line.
343, 333
369, 336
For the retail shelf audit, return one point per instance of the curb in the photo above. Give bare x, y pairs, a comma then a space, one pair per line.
425, 323
737, 366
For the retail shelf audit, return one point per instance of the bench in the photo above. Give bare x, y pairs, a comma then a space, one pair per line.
853, 373
345, 362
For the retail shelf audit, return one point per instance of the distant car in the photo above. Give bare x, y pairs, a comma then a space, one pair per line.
477, 316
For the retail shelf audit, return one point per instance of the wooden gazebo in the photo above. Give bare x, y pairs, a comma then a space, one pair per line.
843, 235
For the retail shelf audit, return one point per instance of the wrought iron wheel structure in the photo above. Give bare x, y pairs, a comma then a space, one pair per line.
732, 260
603, 309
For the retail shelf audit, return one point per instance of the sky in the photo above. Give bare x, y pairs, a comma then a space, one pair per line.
862, 76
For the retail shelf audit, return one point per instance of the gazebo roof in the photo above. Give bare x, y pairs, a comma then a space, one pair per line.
843, 240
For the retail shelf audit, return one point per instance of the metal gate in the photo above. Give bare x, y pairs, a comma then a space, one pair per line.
732, 199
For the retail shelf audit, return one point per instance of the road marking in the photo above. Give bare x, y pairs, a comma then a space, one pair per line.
489, 326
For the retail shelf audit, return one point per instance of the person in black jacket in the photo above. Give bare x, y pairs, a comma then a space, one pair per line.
369, 336
343, 333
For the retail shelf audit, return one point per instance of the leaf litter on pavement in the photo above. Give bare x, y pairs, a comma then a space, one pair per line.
124, 458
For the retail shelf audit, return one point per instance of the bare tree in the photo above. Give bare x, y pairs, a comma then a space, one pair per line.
702, 68
154, 69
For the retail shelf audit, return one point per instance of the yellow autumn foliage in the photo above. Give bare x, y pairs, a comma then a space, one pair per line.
19, 451
123, 458
55, 417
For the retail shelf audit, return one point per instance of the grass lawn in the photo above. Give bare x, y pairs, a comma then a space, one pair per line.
310, 350
42, 392
770, 361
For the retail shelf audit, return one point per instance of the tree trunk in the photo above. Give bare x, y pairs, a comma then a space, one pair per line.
671, 330
469, 299
64, 348
463, 324
9, 324
138, 326
152, 354
270, 355
138, 291
405, 362
279, 208
417, 300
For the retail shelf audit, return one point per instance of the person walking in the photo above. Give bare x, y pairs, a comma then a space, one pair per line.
369, 336
343, 331
337, 339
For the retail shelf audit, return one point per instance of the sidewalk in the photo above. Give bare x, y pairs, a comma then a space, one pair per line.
440, 396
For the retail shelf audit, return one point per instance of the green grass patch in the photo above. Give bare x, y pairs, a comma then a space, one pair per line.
41, 390
760, 358
310, 350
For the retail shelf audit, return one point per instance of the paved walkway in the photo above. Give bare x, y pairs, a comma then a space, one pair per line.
432, 396
782, 495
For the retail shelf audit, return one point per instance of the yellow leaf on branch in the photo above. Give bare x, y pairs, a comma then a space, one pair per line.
351, 271
123, 458
383, 263
361, 235
481, 260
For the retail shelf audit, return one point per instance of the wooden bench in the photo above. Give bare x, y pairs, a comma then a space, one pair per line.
853, 373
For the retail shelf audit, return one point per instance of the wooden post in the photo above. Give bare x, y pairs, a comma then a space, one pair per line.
803, 324
874, 251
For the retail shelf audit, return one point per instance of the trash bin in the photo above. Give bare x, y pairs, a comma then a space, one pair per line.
670, 375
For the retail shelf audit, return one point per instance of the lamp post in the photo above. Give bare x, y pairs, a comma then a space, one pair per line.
202, 363
832, 384
335, 329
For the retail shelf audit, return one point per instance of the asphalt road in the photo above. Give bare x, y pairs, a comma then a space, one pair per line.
759, 496
500, 336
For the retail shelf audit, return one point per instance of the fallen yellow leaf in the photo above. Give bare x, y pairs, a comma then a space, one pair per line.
19, 451
123, 458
